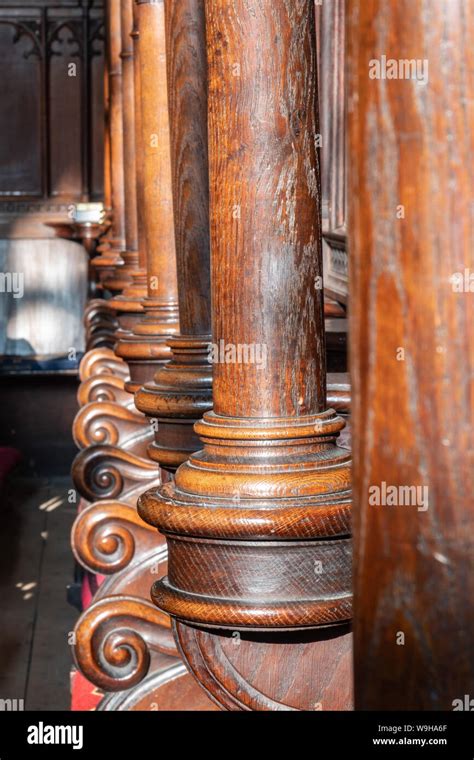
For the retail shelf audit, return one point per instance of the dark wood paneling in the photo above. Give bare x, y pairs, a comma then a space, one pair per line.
51, 122
66, 72
20, 115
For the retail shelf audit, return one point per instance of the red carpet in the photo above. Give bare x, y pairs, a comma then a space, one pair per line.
84, 695
8, 459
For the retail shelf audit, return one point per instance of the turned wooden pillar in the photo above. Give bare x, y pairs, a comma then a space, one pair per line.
139, 158
134, 266
113, 27
99, 322
411, 200
257, 522
109, 261
146, 347
107, 157
128, 124
182, 388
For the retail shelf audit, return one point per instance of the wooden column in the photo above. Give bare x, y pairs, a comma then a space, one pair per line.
134, 266
147, 348
114, 92
107, 151
182, 388
411, 200
258, 521
138, 133
109, 261
128, 126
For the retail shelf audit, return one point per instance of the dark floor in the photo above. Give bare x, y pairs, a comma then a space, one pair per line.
35, 565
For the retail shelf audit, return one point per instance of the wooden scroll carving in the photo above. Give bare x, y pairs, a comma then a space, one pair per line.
111, 423
164, 688
101, 361
107, 536
108, 472
100, 324
103, 387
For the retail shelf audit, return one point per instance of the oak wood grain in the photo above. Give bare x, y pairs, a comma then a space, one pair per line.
411, 227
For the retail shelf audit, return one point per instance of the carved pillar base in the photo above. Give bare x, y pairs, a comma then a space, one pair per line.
108, 265
179, 395
145, 349
301, 670
267, 504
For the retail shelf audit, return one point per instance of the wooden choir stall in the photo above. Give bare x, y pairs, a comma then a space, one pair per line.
273, 337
